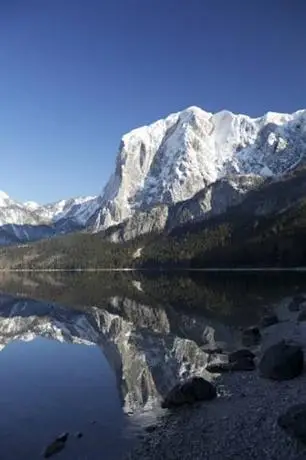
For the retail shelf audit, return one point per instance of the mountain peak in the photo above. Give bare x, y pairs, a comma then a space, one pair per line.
32, 205
3, 198
173, 158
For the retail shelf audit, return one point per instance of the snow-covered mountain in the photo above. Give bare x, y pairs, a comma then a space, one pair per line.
212, 200
172, 159
22, 222
78, 209
187, 166
14, 212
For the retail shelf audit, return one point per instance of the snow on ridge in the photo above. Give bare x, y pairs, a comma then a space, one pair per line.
3, 198
32, 205
173, 158
15, 213
74, 208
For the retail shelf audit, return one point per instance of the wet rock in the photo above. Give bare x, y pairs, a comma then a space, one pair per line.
269, 320
56, 446
251, 336
63, 437
238, 355
188, 392
282, 361
244, 364
294, 422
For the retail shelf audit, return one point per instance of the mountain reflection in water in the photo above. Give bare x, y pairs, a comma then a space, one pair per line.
151, 331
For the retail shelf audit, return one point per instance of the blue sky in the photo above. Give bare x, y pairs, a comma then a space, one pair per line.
77, 74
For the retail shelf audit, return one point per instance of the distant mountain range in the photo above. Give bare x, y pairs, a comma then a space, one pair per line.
24, 222
189, 167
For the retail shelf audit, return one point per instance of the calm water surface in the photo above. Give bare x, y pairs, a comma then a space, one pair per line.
89, 353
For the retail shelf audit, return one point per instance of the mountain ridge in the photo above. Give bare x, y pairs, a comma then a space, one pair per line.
167, 163
174, 158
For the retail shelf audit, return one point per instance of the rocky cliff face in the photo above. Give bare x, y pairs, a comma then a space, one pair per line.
187, 166
173, 159
215, 199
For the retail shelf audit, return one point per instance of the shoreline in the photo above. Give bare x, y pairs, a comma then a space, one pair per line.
160, 270
242, 422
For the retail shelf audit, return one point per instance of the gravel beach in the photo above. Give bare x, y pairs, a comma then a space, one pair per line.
242, 422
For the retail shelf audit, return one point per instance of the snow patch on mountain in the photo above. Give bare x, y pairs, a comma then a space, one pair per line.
172, 159
32, 205
78, 210
166, 163
3, 198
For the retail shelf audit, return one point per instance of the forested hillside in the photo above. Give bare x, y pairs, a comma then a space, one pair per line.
267, 229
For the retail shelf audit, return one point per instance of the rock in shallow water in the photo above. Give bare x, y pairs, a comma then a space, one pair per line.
62, 437
294, 422
193, 390
56, 446
282, 361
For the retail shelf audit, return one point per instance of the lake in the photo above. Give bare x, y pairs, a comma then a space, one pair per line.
94, 353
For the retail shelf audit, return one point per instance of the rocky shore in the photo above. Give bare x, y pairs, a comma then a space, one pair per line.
258, 413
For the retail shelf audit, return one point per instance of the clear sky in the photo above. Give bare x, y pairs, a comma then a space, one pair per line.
77, 74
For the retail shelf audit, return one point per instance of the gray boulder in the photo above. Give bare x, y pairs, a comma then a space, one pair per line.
188, 392
282, 361
294, 422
